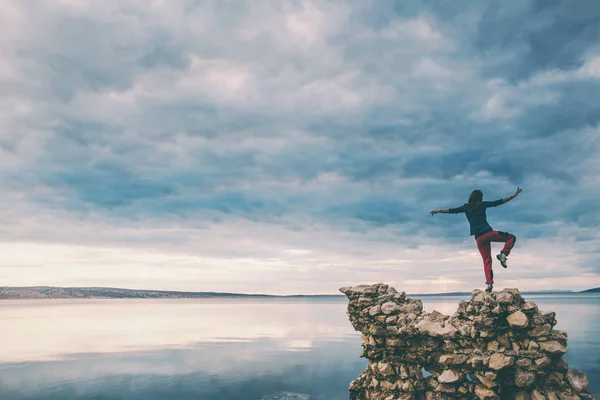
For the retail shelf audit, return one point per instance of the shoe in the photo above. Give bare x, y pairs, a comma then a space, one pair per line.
502, 258
489, 288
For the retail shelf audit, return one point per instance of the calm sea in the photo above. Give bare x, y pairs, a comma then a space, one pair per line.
221, 349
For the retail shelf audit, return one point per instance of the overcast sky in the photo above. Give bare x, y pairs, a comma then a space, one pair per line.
297, 146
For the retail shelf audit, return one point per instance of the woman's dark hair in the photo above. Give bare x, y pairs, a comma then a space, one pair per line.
474, 200
476, 196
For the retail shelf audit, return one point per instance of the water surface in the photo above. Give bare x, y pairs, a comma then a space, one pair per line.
226, 349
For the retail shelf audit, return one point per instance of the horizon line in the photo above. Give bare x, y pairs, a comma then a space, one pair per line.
456, 293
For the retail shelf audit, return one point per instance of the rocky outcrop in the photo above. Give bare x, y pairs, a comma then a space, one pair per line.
495, 346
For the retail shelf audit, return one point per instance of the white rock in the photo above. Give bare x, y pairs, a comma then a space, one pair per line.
435, 328
449, 376
518, 319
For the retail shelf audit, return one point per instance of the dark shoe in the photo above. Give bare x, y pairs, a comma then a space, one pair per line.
502, 258
489, 288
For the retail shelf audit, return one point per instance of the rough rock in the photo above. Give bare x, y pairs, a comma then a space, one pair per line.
453, 359
449, 376
522, 395
524, 362
536, 395
494, 346
518, 319
487, 381
563, 396
499, 361
543, 362
533, 345
435, 328
485, 393
504, 298
389, 307
376, 309
524, 378
553, 348
578, 380
385, 369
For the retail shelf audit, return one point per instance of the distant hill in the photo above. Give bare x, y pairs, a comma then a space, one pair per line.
48, 292
549, 292
594, 290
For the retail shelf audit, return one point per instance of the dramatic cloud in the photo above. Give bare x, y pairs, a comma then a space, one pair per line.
296, 146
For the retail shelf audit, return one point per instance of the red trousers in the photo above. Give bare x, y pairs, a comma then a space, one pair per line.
484, 245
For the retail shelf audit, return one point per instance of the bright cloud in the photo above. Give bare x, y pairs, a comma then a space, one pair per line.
296, 147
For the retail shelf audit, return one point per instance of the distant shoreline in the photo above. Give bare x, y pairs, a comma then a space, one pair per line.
50, 292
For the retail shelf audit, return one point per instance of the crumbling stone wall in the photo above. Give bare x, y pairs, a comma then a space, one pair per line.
495, 346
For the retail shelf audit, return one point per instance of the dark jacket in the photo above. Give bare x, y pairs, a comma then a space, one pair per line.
476, 215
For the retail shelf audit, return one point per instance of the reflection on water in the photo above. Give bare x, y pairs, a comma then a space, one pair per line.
213, 348
108, 326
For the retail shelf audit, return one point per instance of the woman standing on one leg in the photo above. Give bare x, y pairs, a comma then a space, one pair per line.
474, 210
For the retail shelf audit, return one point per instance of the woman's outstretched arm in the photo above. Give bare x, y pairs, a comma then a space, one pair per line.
509, 198
503, 200
449, 210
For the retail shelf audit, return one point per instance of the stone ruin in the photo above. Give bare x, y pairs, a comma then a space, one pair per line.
495, 346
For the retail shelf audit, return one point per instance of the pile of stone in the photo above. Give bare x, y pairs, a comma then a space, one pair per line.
495, 346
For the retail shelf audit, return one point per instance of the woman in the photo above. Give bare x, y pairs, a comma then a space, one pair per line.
483, 232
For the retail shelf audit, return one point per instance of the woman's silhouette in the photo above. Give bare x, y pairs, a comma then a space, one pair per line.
474, 209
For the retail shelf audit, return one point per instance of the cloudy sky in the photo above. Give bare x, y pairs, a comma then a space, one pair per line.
296, 146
